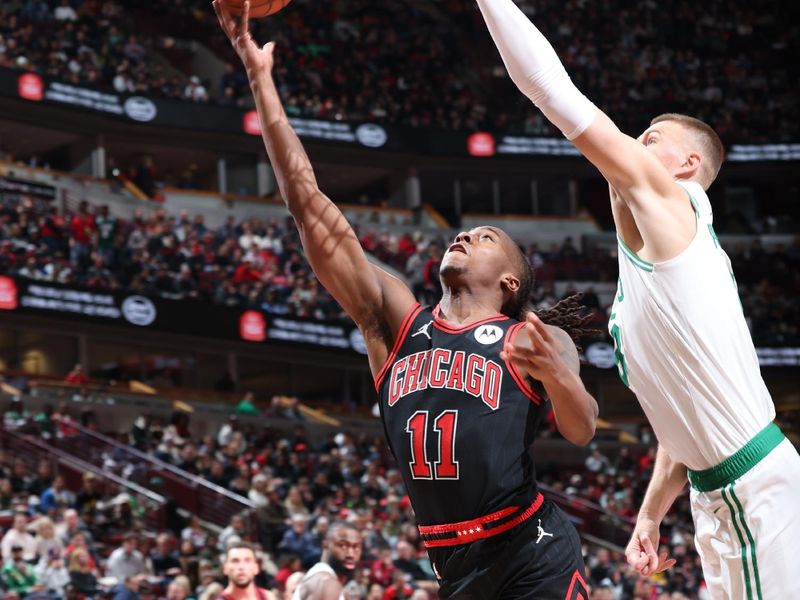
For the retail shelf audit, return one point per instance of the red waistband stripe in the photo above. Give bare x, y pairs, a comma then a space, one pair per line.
455, 534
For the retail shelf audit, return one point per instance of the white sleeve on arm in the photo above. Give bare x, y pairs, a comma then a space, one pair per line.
535, 68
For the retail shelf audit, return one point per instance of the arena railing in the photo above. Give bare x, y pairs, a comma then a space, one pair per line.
194, 494
591, 520
31, 450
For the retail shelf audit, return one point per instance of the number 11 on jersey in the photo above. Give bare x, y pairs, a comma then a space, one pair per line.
445, 426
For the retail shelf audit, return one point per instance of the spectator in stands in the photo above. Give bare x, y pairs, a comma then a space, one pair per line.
46, 539
19, 474
194, 532
604, 592
42, 480
178, 589
72, 525
295, 507
408, 563
89, 495
82, 232
258, 492
299, 541
129, 588
106, 233
77, 376
247, 405
18, 537
190, 563
52, 573
195, 90
18, 576
400, 587
234, 530
226, 431
596, 462
126, 560
65, 12
7, 495
164, 559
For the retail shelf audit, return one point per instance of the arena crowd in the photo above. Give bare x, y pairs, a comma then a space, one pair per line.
360, 61
299, 488
260, 264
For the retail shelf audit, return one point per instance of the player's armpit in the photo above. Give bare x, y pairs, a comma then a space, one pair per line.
661, 209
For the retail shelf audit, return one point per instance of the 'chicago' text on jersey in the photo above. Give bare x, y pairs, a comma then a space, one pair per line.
442, 368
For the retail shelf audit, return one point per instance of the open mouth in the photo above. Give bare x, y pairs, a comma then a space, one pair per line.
457, 247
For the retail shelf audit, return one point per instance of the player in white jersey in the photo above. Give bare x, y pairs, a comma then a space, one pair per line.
682, 344
341, 552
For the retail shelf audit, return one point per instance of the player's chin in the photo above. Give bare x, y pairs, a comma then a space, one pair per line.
453, 266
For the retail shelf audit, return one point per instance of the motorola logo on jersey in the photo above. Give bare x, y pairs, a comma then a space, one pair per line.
488, 334
442, 368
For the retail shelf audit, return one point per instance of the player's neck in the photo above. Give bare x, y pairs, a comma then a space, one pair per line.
460, 307
325, 558
237, 593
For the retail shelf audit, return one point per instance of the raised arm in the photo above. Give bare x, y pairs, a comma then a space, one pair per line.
375, 300
645, 191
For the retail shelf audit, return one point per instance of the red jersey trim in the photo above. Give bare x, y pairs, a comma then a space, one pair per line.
443, 326
470, 531
519, 379
401, 336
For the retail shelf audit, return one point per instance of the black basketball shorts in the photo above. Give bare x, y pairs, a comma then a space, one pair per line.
539, 559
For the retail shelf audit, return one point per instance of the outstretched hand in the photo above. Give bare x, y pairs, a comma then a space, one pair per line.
641, 550
255, 59
540, 355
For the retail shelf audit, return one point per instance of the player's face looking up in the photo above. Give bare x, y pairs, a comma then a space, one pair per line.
482, 256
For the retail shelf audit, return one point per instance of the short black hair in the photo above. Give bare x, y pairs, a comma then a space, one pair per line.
336, 525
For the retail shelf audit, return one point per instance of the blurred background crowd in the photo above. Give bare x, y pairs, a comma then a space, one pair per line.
260, 264
725, 62
62, 541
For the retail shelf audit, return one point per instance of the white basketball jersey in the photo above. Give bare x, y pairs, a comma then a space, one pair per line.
318, 568
683, 347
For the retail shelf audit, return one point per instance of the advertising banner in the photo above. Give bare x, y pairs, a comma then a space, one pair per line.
188, 317
136, 108
26, 296
12, 189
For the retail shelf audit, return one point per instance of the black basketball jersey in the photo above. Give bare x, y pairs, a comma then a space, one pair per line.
460, 421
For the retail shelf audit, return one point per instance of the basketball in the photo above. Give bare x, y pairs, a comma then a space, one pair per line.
258, 8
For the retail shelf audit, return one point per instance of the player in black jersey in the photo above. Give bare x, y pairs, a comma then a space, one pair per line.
461, 386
